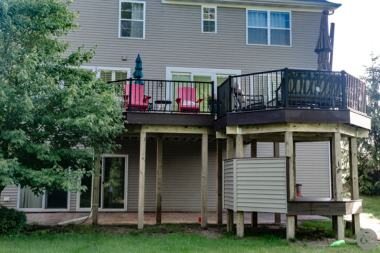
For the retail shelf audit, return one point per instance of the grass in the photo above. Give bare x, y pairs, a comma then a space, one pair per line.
177, 238
178, 242
371, 204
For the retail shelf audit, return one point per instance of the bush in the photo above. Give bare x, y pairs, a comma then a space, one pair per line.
12, 222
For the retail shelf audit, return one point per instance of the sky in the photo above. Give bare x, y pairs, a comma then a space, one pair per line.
357, 34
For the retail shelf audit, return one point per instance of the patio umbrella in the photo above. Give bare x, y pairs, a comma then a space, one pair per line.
138, 70
323, 47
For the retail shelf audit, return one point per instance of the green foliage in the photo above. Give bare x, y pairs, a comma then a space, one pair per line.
12, 222
369, 148
49, 106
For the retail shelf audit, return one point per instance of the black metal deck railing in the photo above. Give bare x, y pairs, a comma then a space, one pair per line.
291, 88
166, 96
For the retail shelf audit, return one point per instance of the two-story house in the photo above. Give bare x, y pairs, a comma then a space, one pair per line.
198, 96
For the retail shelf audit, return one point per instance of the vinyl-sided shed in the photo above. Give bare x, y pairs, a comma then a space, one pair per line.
255, 184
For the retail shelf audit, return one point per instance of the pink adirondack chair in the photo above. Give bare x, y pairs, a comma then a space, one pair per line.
186, 100
138, 100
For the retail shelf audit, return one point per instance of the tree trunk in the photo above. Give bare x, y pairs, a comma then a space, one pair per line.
1, 189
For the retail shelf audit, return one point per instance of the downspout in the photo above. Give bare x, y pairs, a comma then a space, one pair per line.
82, 218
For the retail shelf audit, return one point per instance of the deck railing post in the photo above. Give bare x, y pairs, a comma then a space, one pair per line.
344, 94
130, 94
285, 88
212, 98
217, 102
229, 93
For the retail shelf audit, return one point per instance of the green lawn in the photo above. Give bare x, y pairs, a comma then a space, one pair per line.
146, 243
182, 238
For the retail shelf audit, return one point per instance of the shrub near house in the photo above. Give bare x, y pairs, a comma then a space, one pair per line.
12, 222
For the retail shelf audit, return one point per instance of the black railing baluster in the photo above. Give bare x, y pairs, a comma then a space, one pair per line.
272, 89
212, 98
344, 98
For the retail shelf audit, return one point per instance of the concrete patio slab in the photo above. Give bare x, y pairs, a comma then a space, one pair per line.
149, 218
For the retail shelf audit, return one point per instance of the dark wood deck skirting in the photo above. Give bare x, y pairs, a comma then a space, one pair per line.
324, 206
294, 115
175, 119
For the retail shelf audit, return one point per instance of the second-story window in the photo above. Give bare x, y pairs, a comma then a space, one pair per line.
209, 19
132, 19
268, 28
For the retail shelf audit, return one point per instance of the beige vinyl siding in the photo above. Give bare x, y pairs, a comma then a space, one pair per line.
228, 185
312, 165
12, 193
181, 175
73, 201
313, 168
173, 38
255, 185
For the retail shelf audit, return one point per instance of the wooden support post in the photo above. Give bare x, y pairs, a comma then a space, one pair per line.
142, 181
230, 147
240, 224
230, 220
353, 157
240, 214
96, 191
276, 153
239, 146
254, 216
290, 219
230, 154
219, 178
295, 177
204, 179
159, 179
337, 183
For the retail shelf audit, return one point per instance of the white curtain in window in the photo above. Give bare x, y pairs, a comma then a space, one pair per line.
257, 18
28, 199
279, 20
138, 11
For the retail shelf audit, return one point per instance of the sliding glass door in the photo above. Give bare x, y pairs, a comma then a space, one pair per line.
114, 183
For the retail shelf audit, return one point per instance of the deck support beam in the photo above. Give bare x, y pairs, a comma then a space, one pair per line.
276, 153
337, 181
254, 218
204, 179
240, 214
159, 179
96, 191
290, 219
219, 178
230, 154
141, 180
353, 157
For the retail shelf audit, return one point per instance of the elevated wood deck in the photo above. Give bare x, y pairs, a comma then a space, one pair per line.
324, 206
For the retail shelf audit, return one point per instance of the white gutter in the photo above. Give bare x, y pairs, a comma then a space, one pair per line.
268, 3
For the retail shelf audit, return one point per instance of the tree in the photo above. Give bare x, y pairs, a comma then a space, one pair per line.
53, 114
369, 148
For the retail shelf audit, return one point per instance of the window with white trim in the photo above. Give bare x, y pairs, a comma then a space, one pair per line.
55, 199
268, 28
113, 75
132, 19
208, 19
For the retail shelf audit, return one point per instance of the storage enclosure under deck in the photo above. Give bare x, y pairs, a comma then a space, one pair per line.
262, 185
